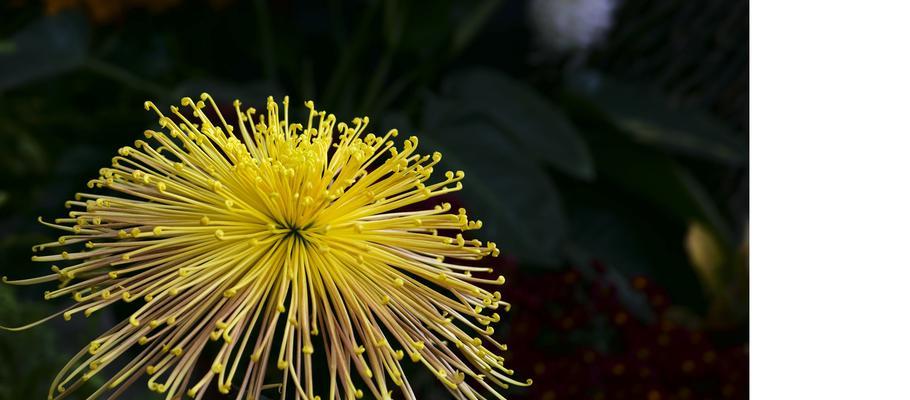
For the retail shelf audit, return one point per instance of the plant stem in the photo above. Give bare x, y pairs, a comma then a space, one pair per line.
265, 36
349, 55
124, 76
376, 82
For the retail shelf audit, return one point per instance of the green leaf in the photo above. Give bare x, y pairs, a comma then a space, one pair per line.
519, 205
50, 46
659, 179
627, 236
648, 118
613, 235
530, 120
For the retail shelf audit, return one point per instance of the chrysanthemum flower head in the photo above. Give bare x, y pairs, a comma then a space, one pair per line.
275, 249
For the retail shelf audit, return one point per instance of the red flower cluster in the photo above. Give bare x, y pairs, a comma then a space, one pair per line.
581, 340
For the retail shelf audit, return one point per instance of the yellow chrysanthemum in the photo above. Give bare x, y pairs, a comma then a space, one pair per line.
282, 246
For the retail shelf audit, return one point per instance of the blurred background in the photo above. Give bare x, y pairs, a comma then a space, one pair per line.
605, 145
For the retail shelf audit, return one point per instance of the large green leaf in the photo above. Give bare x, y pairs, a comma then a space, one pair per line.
520, 206
630, 239
49, 46
534, 123
648, 118
657, 178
